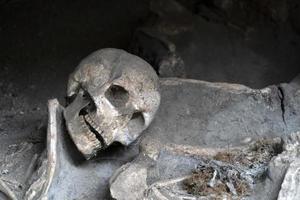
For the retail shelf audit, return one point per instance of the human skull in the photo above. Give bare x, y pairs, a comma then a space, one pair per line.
113, 96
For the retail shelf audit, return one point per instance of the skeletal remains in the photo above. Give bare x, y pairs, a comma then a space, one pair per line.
113, 97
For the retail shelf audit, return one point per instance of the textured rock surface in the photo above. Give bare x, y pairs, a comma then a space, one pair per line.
200, 118
219, 43
218, 114
195, 118
290, 185
290, 188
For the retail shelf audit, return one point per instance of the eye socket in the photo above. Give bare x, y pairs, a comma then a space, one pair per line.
117, 95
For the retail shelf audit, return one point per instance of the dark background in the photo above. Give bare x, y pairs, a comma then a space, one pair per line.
41, 42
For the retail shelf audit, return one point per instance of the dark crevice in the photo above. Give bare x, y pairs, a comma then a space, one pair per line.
96, 133
281, 97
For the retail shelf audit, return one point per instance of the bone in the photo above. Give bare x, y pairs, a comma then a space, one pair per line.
177, 122
30, 169
117, 94
290, 187
64, 167
45, 174
7, 191
207, 119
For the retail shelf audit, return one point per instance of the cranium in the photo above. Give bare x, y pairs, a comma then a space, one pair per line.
113, 97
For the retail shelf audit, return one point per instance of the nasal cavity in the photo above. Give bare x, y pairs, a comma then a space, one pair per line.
90, 107
117, 95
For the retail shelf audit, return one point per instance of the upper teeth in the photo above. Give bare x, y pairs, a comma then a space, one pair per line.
87, 142
95, 126
92, 123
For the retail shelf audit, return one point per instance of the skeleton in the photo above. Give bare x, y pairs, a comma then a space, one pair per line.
114, 96
107, 93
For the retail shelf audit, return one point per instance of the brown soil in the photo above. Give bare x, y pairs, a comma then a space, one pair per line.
257, 154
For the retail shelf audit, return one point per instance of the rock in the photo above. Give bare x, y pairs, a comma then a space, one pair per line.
217, 114
202, 119
238, 49
290, 187
195, 118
